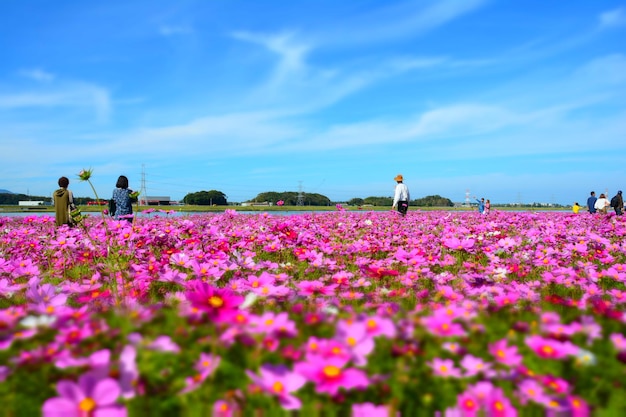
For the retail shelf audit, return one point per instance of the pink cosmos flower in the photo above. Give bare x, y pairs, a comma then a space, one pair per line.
445, 368
550, 348
531, 390
330, 374
474, 366
205, 367
279, 382
220, 304
370, 410
458, 244
223, 408
619, 341
504, 354
91, 397
442, 326
354, 335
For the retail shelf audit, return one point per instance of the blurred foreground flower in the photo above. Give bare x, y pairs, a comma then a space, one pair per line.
90, 397
134, 194
85, 174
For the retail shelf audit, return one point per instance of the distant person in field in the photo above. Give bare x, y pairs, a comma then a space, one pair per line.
401, 196
62, 200
591, 202
602, 204
481, 205
617, 202
487, 206
122, 199
575, 208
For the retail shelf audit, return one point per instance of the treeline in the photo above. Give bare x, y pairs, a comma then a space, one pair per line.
290, 198
428, 201
9, 199
206, 198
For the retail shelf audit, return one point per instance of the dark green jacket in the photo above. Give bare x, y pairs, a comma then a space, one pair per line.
62, 199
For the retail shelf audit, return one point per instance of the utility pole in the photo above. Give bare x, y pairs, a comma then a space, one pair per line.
143, 194
300, 201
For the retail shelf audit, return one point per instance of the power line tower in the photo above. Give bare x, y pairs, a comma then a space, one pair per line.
143, 194
467, 197
300, 201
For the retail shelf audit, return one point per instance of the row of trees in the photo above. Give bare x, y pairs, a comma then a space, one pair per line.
429, 201
10, 199
206, 198
290, 198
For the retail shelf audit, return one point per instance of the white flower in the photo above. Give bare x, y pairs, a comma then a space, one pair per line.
32, 322
248, 301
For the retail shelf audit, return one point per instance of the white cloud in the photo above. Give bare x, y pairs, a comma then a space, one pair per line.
37, 74
612, 18
59, 96
169, 30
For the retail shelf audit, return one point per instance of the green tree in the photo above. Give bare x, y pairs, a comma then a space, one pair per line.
206, 198
291, 198
378, 201
433, 201
355, 202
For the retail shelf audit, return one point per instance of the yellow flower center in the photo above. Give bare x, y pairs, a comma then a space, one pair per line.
278, 387
87, 404
331, 371
216, 301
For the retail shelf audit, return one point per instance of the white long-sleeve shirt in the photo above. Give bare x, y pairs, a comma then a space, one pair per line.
401, 194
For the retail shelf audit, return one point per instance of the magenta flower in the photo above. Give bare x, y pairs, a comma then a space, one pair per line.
445, 368
550, 348
370, 410
442, 326
91, 397
354, 335
220, 304
205, 367
458, 244
329, 374
474, 366
504, 354
279, 382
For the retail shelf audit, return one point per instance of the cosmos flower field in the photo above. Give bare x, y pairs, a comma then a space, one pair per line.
330, 314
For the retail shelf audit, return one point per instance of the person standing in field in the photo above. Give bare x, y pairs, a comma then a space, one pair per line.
617, 202
487, 206
401, 196
575, 208
123, 203
481, 205
62, 199
602, 204
591, 202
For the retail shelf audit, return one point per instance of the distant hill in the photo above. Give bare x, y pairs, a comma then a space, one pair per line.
5, 191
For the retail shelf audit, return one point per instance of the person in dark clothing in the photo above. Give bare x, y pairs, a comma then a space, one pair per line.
62, 200
591, 202
619, 203
122, 198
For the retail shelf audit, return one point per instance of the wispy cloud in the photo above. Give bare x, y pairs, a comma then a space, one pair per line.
60, 95
173, 30
396, 21
612, 18
37, 74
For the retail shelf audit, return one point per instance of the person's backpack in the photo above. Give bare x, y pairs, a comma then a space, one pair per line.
614, 201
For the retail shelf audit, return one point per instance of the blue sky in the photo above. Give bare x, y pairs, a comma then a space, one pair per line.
513, 101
